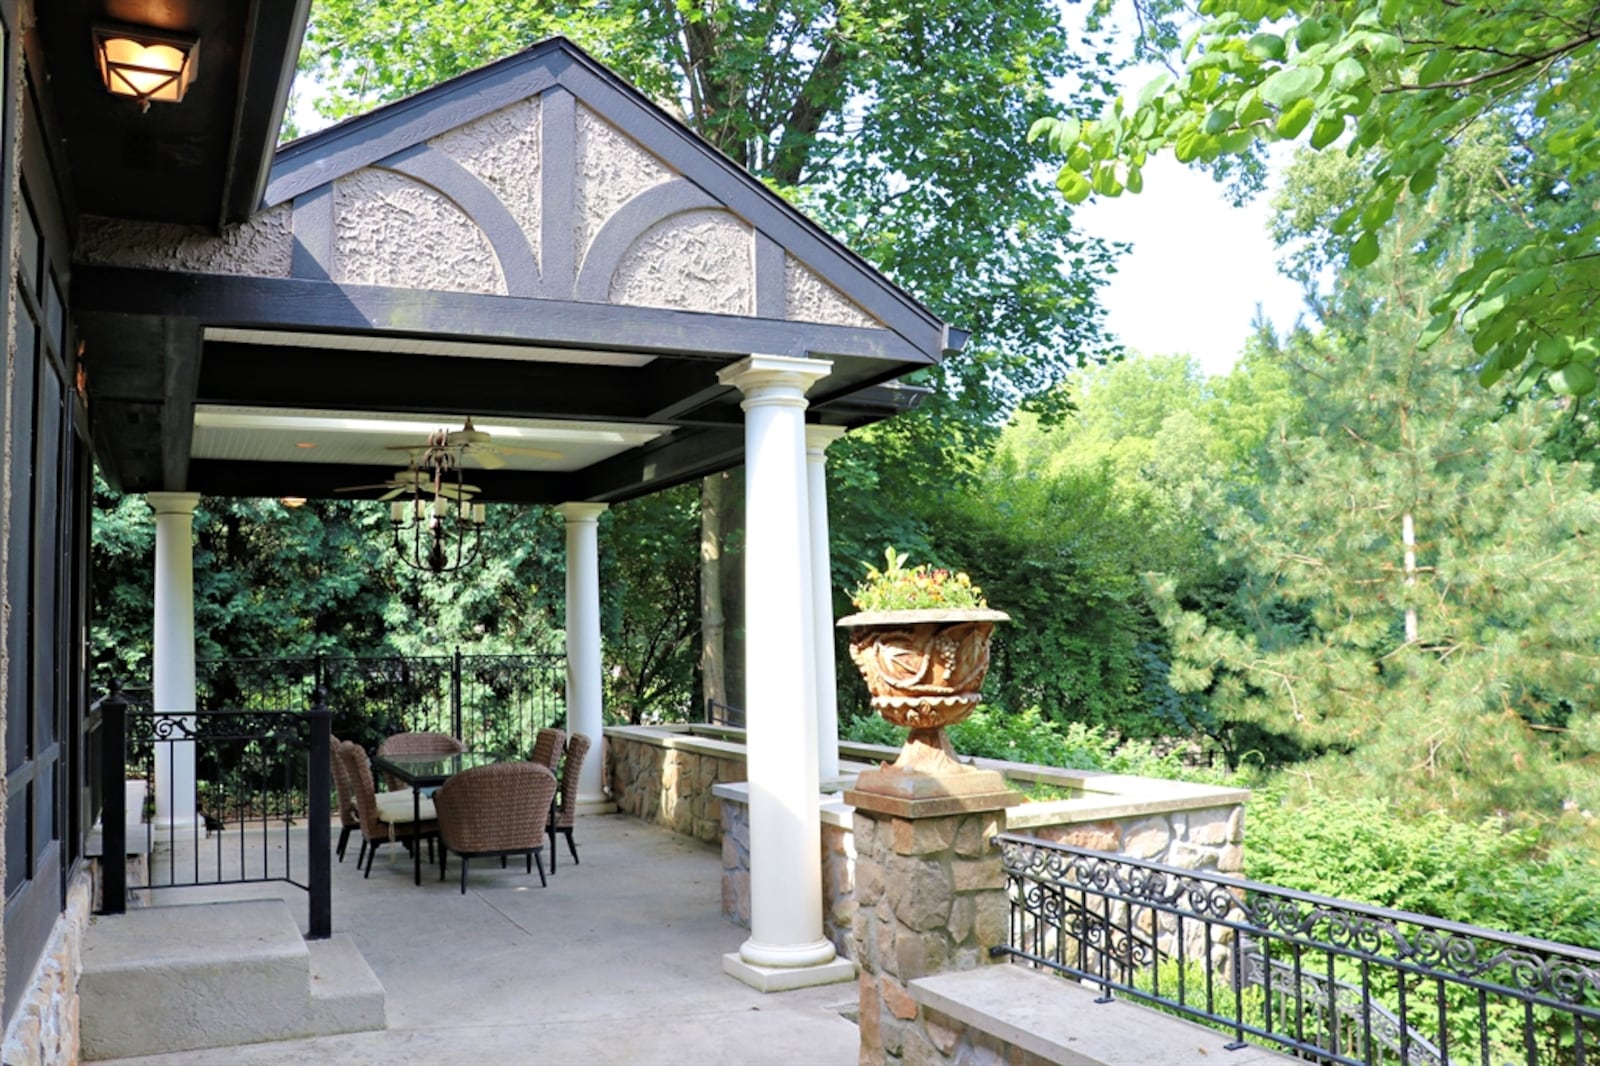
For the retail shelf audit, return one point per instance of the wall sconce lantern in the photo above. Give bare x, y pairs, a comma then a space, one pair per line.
146, 64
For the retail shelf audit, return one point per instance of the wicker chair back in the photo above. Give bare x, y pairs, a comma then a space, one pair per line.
496, 808
566, 814
547, 748
417, 744
348, 818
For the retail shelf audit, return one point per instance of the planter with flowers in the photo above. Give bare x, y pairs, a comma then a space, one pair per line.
920, 638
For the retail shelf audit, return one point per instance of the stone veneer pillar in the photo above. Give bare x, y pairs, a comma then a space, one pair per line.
173, 652
786, 948
817, 440
584, 678
930, 898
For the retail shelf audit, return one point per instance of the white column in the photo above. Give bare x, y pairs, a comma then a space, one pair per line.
786, 947
584, 681
174, 654
817, 440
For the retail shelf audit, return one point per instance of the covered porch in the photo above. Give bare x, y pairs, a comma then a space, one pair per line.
532, 285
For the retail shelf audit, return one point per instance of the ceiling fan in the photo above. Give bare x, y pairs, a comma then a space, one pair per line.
412, 481
470, 443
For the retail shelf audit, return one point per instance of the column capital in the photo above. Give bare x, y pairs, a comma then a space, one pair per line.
774, 377
581, 512
182, 503
819, 437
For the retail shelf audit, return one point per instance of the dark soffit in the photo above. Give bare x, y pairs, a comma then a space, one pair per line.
202, 161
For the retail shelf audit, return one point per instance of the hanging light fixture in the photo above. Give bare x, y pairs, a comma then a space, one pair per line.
439, 514
146, 64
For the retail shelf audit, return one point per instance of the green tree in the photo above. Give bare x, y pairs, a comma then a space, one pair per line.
1399, 85
1417, 592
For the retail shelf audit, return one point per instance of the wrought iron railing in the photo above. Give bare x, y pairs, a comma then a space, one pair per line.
261, 801
1323, 979
490, 702
724, 714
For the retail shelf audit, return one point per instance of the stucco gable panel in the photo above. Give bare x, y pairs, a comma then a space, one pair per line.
694, 261
502, 151
611, 169
807, 298
391, 230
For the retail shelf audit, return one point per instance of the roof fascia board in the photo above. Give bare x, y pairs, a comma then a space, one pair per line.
301, 304
269, 59
697, 160
323, 157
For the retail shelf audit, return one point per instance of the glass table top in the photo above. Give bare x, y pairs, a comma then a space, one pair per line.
433, 768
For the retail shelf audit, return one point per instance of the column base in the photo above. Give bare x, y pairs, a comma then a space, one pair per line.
596, 805
787, 978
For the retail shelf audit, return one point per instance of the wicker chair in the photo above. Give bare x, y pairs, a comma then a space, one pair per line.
564, 814
499, 809
349, 820
547, 748
387, 822
418, 744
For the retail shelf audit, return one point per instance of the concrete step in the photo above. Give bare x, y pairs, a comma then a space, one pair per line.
346, 996
210, 975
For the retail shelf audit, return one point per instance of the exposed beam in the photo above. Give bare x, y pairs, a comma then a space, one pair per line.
268, 376
300, 304
181, 338
670, 461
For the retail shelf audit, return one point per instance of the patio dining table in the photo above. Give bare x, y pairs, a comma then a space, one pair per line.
430, 770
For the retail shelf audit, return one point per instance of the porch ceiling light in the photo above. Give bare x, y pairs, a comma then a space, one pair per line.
146, 64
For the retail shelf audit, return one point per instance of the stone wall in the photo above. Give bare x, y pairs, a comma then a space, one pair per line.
930, 895
1210, 838
666, 775
44, 1031
838, 865
1193, 827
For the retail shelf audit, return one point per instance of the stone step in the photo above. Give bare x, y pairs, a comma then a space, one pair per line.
211, 975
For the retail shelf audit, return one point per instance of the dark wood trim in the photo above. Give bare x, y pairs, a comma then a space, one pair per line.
303, 304
684, 456
267, 67
772, 285
312, 223
558, 216
432, 167
181, 342
628, 224
320, 158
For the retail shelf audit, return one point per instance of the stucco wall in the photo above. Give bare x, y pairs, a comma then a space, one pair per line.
262, 247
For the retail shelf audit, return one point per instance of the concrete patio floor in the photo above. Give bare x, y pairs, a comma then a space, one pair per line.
619, 960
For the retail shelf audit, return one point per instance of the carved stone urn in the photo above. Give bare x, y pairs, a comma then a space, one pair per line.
924, 669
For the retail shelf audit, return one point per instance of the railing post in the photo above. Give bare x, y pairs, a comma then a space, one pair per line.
455, 694
114, 813
321, 816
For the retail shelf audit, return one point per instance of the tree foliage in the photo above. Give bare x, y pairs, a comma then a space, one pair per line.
1399, 85
1417, 573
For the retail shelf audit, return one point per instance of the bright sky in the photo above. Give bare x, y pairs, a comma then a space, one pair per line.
1198, 268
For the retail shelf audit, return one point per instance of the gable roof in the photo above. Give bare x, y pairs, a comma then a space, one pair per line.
534, 242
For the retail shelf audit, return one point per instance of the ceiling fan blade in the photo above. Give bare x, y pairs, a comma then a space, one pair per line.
531, 453
485, 457
364, 488
392, 493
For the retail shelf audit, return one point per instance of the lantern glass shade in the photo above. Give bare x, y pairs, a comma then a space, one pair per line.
145, 64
